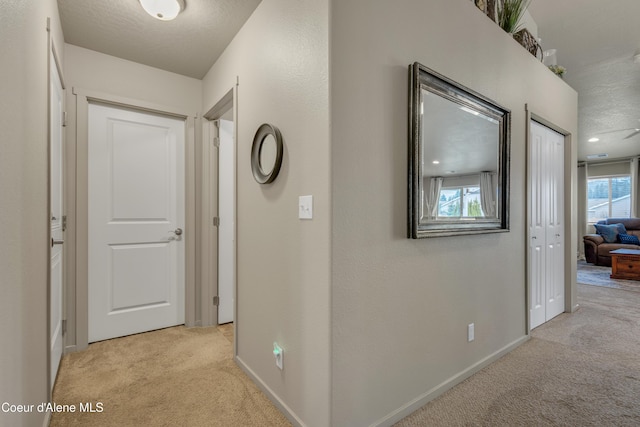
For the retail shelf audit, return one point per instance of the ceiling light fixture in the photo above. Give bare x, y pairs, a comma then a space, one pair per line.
436, 162
164, 10
594, 139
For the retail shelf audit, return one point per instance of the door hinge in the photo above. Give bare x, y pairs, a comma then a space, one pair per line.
64, 327
216, 300
64, 222
64, 119
216, 142
216, 221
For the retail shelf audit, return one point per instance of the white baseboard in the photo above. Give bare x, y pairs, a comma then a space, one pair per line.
428, 396
291, 416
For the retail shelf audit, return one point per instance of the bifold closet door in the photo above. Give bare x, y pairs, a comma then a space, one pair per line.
546, 223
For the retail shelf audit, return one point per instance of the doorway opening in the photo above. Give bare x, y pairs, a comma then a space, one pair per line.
172, 246
219, 206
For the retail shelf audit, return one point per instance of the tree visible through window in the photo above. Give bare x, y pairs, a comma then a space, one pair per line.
608, 197
460, 202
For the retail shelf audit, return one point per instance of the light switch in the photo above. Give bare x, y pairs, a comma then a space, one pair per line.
305, 207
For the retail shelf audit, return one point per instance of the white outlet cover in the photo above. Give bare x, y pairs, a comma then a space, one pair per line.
305, 207
278, 353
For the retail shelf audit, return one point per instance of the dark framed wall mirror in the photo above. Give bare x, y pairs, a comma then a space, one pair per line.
459, 147
266, 154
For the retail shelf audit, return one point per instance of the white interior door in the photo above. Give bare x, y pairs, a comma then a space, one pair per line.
546, 224
136, 220
226, 234
56, 217
555, 225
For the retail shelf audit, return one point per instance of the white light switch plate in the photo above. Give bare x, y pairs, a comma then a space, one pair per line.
305, 207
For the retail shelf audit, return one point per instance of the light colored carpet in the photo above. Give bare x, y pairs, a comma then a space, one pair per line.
170, 377
580, 369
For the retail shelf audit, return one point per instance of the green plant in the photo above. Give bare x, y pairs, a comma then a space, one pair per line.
510, 14
558, 69
474, 209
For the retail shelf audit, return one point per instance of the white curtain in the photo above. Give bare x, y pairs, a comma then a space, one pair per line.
487, 198
633, 171
433, 193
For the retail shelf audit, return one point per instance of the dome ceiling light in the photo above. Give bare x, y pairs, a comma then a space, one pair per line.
164, 10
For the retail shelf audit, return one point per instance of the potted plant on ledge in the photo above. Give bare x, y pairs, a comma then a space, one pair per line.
510, 13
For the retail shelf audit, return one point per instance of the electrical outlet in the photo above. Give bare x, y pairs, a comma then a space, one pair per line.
471, 332
278, 353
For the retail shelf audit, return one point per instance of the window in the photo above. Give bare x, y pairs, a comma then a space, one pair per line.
608, 197
460, 202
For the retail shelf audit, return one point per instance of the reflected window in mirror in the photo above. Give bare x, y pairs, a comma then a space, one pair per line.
459, 159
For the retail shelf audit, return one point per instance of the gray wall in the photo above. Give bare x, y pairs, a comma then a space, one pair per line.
400, 308
280, 59
24, 219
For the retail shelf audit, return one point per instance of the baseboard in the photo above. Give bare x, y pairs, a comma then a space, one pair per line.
423, 399
291, 416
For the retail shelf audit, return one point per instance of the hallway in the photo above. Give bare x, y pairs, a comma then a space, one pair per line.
168, 377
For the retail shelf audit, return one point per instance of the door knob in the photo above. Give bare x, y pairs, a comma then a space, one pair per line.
177, 231
56, 242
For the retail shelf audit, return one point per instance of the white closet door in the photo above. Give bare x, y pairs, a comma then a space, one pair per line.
555, 226
546, 224
537, 223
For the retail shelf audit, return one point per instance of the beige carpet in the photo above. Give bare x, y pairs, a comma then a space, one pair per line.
170, 377
580, 369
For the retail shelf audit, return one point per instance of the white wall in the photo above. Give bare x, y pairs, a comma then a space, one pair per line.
280, 58
24, 219
400, 307
94, 71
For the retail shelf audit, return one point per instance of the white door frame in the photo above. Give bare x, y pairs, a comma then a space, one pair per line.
570, 286
77, 295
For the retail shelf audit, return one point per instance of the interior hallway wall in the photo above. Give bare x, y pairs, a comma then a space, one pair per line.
92, 71
280, 58
400, 307
24, 217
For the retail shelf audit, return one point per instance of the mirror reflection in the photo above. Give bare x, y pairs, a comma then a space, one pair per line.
459, 149
268, 153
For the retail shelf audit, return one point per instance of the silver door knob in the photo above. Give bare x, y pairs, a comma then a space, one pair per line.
177, 231
56, 242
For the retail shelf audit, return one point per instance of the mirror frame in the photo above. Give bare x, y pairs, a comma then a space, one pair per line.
420, 78
261, 176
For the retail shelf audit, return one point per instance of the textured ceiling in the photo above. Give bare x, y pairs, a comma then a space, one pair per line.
596, 41
188, 45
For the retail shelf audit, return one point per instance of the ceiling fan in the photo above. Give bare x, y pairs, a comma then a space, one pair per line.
632, 134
